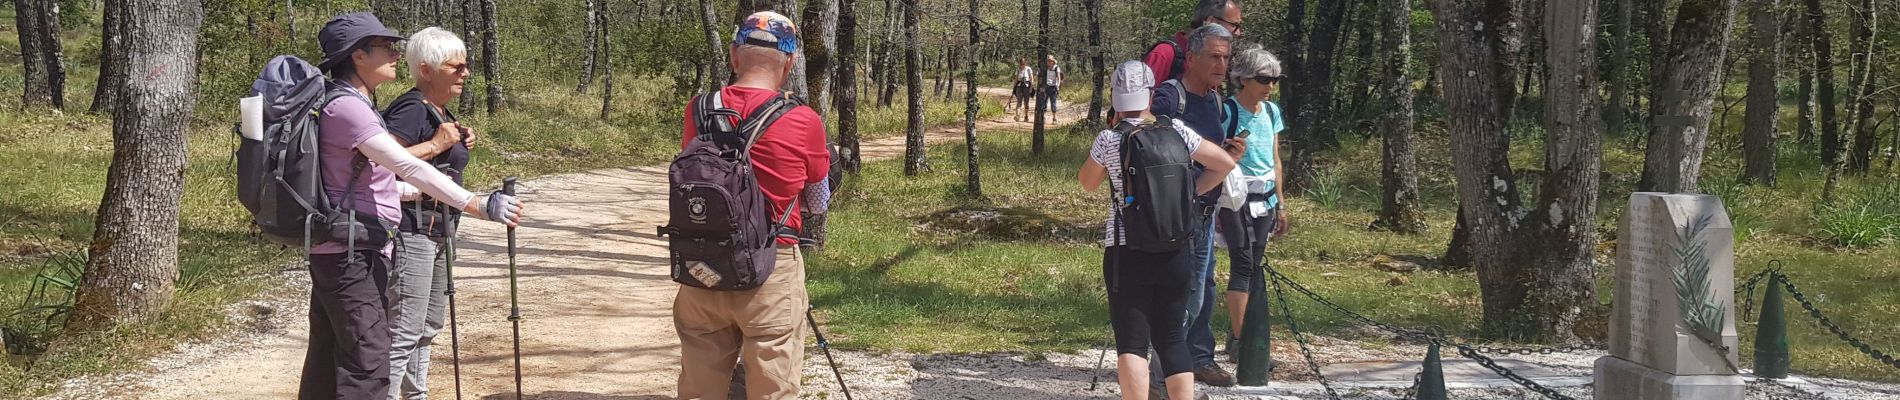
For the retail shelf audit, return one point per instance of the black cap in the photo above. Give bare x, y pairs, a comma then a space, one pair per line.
342, 34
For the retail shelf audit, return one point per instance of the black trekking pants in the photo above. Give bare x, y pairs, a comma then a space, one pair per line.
348, 356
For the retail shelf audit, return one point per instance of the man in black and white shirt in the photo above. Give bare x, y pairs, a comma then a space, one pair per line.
1148, 292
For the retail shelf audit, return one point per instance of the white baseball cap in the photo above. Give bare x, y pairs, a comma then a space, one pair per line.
1130, 86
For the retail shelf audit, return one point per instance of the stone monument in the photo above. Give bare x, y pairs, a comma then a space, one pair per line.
1674, 303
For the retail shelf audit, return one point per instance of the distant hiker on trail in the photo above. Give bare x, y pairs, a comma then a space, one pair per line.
1052, 84
418, 279
1025, 89
349, 336
1166, 56
1149, 261
732, 234
1192, 99
1250, 116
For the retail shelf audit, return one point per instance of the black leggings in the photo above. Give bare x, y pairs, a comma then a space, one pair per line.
1246, 239
1147, 303
348, 357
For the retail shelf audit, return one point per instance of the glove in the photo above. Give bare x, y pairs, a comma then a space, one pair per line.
502, 208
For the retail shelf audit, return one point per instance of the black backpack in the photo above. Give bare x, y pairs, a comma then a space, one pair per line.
720, 235
1156, 212
279, 179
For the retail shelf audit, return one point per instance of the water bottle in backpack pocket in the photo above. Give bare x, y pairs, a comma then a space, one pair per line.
720, 235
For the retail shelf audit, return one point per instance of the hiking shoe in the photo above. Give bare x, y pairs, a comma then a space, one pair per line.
1213, 375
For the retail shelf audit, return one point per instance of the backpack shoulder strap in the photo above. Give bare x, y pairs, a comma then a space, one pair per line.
1180, 96
763, 117
1231, 115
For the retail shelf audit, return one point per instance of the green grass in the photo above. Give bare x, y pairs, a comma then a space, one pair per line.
892, 280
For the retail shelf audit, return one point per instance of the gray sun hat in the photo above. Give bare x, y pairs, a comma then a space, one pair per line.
343, 34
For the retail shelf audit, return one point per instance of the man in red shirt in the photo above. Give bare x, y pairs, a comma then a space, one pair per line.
764, 327
1165, 57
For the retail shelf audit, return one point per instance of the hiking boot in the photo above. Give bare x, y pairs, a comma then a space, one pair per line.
1213, 375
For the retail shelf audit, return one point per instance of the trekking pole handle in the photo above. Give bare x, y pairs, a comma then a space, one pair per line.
508, 186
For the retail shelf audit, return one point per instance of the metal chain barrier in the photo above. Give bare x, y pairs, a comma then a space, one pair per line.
1748, 289
1527, 383
1469, 351
1421, 335
1836, 329
1286, 309
1411, 393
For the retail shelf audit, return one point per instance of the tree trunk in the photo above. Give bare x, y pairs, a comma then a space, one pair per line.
715, 48
1097, 61
1356, 108
818, 39
133, 259
1458, 252
1691, 79
1480, 39
591, 44
1804, 94
1311, 95
887, 81
1758, 136
605, 59
111, 73
914, 73
471, 29
1563, 279
1617, 113
491, 57
52, 54
1042, 76
1831, 144
848, 85
1864, 25
38, 92
973, 182
1656, 22
1398, 203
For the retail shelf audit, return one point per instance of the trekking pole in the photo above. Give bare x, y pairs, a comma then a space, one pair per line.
514, 307
826, 346
455, 346
1099, 361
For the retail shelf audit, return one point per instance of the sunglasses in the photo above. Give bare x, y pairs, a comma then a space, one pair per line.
1232, 27
1267, 80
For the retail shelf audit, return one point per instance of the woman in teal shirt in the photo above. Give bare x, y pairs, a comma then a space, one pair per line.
1256, 73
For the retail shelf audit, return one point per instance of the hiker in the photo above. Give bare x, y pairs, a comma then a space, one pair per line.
418, 277
1148, 291
1166, 56
1193, 100
1025, 89
1249, 115
1052, 84
349, 349
722, 318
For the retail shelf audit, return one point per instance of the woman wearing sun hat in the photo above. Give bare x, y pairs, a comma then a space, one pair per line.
348, 357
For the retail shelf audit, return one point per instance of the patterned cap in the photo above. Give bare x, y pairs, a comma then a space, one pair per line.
768, 29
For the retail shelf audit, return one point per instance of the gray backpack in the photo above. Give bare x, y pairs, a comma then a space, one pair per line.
279, 179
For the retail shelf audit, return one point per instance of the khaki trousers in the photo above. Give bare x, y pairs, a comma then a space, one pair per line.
763, 326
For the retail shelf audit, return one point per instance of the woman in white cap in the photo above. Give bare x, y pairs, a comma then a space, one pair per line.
348, 356
1147, 292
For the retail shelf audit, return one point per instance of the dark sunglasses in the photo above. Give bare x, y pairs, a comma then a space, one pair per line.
1236, 26
1267, 80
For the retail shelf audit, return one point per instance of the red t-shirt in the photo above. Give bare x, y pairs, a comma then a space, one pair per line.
789, 155
1161, 58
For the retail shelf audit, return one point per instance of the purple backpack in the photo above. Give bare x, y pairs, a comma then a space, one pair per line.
720, 233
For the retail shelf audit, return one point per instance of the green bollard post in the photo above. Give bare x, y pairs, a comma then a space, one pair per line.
1431, 384
1771, 333
1256, 337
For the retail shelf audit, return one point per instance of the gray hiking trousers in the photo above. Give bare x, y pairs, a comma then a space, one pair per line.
417, 300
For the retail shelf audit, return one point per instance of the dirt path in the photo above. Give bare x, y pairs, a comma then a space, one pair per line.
595, 298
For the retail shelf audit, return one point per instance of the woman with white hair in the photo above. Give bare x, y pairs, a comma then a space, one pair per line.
418, 280
1249, 115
